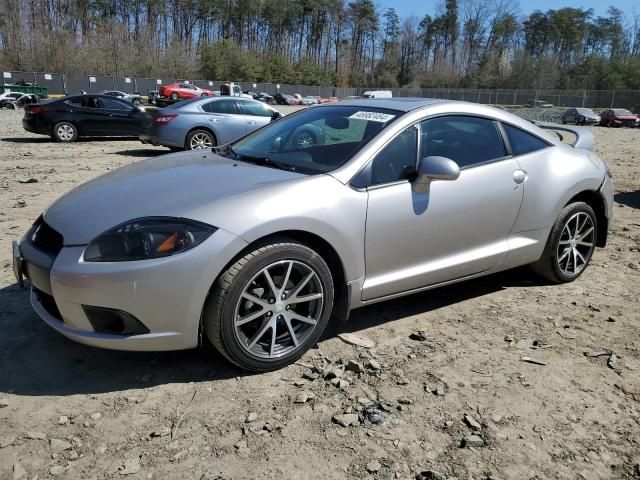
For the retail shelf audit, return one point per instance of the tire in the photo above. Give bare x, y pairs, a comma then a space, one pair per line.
304, 139
559, 263
65, 132
137, 102
250, 345
175, 96
199, 139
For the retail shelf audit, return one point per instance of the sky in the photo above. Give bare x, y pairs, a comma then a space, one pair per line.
419, 8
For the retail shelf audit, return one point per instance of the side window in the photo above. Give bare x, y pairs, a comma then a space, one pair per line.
468, 141
113, 104
522, 142
256, 109
221, 106
397, 161
85, 102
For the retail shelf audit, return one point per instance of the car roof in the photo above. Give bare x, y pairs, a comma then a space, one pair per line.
402, 104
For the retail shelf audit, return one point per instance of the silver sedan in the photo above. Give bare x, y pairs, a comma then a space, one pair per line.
256, 245
207, 122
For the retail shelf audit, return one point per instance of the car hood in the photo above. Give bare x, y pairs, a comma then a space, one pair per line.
175, 185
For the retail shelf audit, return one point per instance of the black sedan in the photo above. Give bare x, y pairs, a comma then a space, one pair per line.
68, 118
284, 99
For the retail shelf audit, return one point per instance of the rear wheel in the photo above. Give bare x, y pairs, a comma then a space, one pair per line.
570, 244
199, 139
65, 132
175, 96
270, 306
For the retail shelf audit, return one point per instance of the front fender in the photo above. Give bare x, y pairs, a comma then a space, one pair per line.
317, 204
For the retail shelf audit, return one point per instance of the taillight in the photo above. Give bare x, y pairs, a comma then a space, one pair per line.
36, 110
164, 119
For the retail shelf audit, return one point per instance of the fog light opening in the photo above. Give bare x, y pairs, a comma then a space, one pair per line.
117, 322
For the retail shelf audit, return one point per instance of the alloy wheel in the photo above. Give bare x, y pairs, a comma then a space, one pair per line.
278, 309
576, 244
200, 140
65, 132
304, 140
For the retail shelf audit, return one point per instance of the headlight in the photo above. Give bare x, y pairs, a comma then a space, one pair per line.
147, 238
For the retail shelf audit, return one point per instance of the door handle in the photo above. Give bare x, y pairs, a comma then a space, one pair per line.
251, 122
519, 176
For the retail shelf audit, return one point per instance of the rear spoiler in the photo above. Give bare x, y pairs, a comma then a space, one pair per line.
584, 137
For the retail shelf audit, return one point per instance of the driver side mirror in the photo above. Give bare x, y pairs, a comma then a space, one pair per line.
434, 168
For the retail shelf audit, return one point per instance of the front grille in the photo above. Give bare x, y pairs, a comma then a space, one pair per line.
45, 238
48, 303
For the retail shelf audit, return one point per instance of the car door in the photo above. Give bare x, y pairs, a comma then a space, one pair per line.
458, 228
88, 115
256, 114
226, 119
122, 118
187, 90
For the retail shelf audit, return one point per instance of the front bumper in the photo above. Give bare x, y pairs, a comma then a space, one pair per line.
166, 295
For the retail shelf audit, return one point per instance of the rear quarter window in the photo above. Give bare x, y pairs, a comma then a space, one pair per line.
522, 142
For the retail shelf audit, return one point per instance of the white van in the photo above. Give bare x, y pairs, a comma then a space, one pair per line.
377, 94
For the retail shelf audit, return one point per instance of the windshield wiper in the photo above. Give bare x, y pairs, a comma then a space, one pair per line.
264, 161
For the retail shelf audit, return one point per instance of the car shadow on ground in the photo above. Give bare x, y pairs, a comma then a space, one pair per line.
35, 360
630, 199
433, 299
45, 139
143, 152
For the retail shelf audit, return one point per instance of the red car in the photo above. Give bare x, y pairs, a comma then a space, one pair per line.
618, 117
183, 91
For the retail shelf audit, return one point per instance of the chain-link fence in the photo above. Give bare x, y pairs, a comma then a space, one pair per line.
64, 84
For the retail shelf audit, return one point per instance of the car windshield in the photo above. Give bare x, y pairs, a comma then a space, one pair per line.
622, 111
585, 111
316, 140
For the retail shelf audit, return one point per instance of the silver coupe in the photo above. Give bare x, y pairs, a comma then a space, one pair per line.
255, 245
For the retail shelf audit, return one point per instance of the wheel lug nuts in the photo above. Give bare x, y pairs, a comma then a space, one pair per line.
284, 295
272, 300
279, 317
269, 314
287, 307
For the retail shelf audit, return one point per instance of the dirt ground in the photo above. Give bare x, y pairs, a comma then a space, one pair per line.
70, 411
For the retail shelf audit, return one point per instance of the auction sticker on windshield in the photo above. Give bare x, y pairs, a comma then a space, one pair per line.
373, 116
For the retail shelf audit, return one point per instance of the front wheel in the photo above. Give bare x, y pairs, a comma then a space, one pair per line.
175, 96
570, 244
270, 306
65, 132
